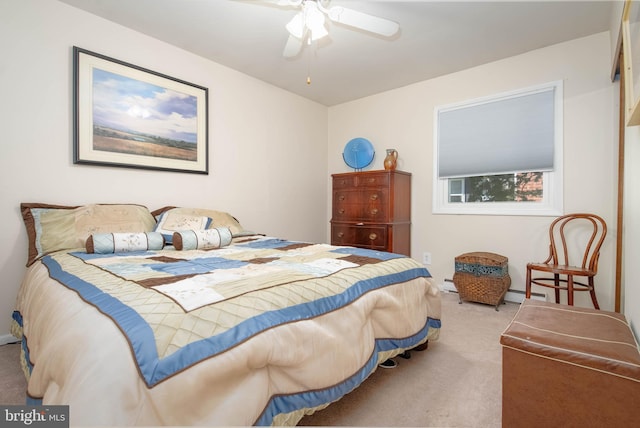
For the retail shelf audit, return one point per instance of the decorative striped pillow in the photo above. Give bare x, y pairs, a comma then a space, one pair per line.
105, 243
206, 239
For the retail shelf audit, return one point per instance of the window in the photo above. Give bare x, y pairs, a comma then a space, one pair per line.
456, 190
501, 154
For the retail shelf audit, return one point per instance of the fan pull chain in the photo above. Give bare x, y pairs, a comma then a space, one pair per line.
312, 52
309, 62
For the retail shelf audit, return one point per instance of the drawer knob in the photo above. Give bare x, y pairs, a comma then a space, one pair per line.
341, 210
374, 211
341, 198
373, 236
340, 234
374, 197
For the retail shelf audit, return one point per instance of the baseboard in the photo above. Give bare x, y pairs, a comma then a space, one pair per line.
8, 338
515, 296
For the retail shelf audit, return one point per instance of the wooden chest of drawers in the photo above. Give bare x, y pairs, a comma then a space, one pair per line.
372, 209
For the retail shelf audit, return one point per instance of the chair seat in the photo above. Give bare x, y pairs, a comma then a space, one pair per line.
561, 269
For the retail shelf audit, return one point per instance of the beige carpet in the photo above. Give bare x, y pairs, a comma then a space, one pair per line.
12, 382
454, 383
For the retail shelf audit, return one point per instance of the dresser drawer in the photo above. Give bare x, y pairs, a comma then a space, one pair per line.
347, 181
367, 236
370, 205
373, 180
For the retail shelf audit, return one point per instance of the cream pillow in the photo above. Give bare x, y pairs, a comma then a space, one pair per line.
173, 221
58, 227
218, 218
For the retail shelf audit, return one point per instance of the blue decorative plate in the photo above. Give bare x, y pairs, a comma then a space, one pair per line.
358, 153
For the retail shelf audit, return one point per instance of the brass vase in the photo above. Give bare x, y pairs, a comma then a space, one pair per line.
391, 161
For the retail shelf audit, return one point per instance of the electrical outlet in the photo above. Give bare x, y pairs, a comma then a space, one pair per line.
426, 258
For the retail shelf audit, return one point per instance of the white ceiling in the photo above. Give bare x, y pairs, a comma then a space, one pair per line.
436, 38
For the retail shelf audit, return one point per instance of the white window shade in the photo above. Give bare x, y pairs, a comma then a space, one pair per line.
509, 134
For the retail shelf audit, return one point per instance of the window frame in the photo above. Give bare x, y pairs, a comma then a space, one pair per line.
552, 201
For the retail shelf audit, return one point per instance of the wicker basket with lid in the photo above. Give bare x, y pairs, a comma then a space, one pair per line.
482, 277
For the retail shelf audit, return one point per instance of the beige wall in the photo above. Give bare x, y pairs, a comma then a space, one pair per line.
631, 214
615, 26
403, 119
631, 245
267, 146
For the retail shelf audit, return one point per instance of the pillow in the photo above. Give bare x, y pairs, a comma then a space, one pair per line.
172, 221
59, 227
218, 218
207, 239
105, 243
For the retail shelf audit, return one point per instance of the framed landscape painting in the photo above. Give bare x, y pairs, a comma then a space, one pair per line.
128, 116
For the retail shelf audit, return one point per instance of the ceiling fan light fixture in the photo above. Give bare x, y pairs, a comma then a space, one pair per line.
310, 23
318, 33
314, 20
295, 27
310, 18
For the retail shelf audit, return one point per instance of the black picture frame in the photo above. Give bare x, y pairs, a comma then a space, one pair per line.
132, 117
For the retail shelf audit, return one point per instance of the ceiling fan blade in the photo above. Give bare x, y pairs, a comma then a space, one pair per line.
293, 47
292, 3
363, 21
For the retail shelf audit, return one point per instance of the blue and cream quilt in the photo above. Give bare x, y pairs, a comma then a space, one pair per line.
182, 311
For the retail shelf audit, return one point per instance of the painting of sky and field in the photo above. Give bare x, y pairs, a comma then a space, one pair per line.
139, 118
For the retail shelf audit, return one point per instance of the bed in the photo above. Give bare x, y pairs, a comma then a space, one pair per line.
180, 317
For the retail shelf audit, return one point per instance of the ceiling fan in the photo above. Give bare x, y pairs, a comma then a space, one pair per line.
309, 24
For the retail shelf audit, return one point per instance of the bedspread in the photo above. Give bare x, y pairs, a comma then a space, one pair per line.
258, 332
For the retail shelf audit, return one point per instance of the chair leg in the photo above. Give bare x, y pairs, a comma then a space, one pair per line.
570, 290
556, 282
592, 291
527, 293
